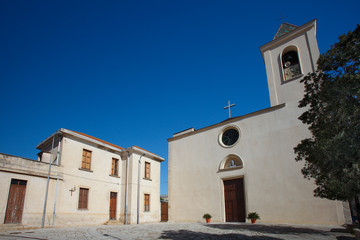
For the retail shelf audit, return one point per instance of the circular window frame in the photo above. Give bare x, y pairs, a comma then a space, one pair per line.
226, 129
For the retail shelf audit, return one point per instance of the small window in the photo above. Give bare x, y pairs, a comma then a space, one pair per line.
18, 182
231, 162
115, 167
291, 65
147, 170
146, 202
86, 159
83, 198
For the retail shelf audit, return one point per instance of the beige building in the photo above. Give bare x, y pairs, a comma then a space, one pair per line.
91, 182
247, 163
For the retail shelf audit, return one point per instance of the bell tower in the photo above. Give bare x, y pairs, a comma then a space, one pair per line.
290, 56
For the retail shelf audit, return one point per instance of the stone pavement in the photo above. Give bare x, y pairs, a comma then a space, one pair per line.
177, 231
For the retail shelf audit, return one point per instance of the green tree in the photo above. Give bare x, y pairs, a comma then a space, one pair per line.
332, 102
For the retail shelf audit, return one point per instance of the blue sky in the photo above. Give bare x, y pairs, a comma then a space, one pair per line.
135, 72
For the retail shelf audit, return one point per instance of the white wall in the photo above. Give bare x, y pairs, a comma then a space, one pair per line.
274, 185
35, 173
304, 39
98, 180
147, 186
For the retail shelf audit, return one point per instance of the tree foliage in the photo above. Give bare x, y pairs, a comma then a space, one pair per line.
332, 102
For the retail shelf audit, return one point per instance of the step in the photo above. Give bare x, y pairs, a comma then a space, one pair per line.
113, 222
9, 227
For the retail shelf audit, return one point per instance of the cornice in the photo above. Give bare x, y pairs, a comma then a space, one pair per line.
227, 121
288, 36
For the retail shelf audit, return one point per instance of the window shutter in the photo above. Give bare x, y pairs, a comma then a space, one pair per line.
147, 170
86, 159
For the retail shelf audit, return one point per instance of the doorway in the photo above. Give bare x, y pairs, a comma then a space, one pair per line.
164, 211
113, 200
15, 204
234, 200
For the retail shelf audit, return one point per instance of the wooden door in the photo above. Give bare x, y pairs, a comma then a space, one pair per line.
234, 200
15, 205
164, 211
113, 200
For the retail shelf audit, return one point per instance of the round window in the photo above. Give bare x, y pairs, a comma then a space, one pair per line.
230, 137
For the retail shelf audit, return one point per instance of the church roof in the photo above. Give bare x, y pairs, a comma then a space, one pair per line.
284, 29
186, 133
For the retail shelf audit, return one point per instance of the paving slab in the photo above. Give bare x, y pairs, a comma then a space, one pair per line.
178, 231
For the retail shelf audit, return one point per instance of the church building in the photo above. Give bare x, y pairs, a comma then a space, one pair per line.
247, 163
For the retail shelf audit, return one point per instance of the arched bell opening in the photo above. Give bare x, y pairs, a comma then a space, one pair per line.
290, 63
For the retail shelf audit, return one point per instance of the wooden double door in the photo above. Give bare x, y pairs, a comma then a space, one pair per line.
234, 200
15, 204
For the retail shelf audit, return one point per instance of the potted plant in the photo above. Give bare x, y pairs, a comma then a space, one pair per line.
207, 217
253, 216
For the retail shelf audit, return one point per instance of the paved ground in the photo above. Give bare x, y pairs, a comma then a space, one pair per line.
177, 231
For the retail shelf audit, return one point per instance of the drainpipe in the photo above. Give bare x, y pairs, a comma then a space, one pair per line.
138, 192
126, 186
57, 180
47, 183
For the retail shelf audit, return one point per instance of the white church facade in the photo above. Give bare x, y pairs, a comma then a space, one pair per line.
91, 182
247, 163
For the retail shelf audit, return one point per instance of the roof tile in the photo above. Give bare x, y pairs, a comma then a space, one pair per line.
284, 29
97, 139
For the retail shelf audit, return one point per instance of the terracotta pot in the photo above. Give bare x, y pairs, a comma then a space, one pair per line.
208, 220
253, 220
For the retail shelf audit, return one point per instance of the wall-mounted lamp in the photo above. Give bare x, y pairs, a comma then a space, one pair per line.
72, 190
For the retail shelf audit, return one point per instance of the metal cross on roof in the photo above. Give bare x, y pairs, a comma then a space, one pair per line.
229, 107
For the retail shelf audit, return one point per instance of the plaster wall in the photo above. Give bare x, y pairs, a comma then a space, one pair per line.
98, 180
304, 40
72, 177
274, 185
34, 199
147, 186
35, 173
50, 151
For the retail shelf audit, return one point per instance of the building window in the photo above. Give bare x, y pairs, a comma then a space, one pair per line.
229, 136
146, 202
83, 198
291, 64
115, 167
86, 159
147, 170
231, 162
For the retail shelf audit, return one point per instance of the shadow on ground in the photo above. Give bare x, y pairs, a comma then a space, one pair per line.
185, 234
345, 238
110, 236
272, 229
